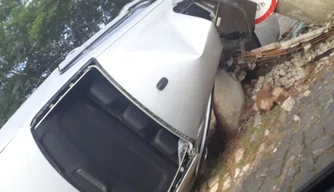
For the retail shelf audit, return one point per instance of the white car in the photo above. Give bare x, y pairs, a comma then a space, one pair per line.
127, 111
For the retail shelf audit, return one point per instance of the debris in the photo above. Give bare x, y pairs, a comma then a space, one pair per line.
266, 133
227, 183
261, 149
246, 168
214, 188
236, 173
242, 75
253, 83
253, 137
277, 49
279, 95
288, 104
238, 155
257, 120
294, 42
259, 84
254, 97
264, 99
255, 108
251, 66
230, 62
307, 93
213, 180
303, 88
282, 72
300, 73
307, 47
297, 29
296, 118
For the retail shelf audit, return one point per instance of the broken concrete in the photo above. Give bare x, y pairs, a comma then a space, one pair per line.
264, 99
288, 104
279, 95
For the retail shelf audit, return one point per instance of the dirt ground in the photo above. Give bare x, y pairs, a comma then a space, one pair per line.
281, 149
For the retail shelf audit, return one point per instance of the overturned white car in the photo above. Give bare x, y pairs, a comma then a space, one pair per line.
127, 111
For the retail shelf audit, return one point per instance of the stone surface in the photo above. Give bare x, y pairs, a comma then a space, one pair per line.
307, 165
296, 150
313, 132
298, 183
255, 185
263, 169
275, 168
324, 160
289, 177
282, 149
288, 104
329, 126
290, 159
238, 185
321, 144
308, 116
297, 138
228, 102
288, 127
324, 99
269, 185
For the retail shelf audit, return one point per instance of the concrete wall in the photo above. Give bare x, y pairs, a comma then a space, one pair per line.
309, 11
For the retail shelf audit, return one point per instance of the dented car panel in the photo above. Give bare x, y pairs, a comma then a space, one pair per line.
187, 54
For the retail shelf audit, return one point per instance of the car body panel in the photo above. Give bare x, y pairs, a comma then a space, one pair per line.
23, 162
187, 54
190, 175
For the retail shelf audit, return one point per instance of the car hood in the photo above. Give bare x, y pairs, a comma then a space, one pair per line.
24, 168
181, 49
